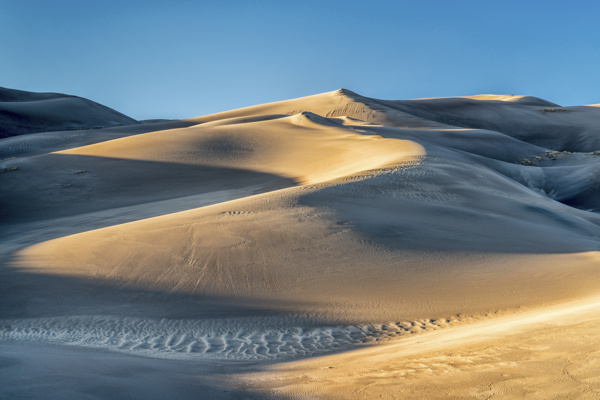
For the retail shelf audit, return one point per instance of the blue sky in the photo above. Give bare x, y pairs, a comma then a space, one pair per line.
179, 59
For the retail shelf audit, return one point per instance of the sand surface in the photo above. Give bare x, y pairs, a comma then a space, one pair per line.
332, 246
544, 354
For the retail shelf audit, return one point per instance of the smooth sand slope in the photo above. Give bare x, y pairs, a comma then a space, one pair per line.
306, 227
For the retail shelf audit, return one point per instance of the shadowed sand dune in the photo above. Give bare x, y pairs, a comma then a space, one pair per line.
24, 112
306, 227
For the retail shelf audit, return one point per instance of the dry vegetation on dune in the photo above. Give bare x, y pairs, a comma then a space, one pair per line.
313, 226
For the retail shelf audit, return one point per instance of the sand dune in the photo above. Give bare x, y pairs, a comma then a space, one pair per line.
540, 123
304, 227
28, 112
528, 100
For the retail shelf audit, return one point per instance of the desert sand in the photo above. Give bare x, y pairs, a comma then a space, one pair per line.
331, 246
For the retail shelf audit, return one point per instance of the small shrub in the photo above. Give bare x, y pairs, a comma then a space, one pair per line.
527, 162
8, 169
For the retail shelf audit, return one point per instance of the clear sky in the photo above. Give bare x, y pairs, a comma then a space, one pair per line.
179, 59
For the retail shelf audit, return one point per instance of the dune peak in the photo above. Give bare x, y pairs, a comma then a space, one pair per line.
347, 92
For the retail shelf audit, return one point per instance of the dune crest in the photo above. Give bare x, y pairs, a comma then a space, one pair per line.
305, 147
523, 100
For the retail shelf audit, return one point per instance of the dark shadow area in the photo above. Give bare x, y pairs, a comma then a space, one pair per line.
23, 112
480, 142
30, 295
449, 205
524, 121
56, 186
589, 201
567, 178
37, 371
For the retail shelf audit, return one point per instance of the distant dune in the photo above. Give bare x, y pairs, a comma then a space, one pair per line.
304, 227
24, 112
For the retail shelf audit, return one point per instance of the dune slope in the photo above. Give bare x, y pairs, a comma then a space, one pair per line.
28, 112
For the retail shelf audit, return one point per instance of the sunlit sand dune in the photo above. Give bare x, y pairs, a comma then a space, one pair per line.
317, 226
305, 147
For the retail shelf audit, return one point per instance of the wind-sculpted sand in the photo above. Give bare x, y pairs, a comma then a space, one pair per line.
236, 339
333, 246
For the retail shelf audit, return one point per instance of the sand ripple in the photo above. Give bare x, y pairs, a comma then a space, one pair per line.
243, 339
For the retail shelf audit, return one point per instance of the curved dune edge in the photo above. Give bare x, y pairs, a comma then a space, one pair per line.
546, 353
304, 147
